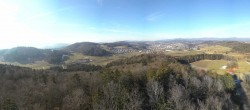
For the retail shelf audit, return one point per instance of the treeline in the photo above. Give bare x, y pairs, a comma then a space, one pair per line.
197, 57
149, 58
167, 86
193, 58
144, 59
77, 67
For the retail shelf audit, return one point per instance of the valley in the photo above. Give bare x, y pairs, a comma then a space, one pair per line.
104, 53
161, 73
124, 55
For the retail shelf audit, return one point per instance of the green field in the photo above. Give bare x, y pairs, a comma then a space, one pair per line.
183, 53
102, 60
96, 60
217, 49
35, 65
216, 66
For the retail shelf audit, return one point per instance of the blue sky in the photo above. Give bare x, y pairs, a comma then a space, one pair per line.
46, 22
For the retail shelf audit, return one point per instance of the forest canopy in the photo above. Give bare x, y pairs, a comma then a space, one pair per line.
169, 85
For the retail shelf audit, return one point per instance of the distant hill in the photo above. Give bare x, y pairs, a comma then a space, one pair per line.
131, 45
25, 55
236, 46
2, 52
210, 39
103, 49
56, 46
87, 48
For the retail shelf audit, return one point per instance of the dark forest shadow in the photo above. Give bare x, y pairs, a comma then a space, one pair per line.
239, 95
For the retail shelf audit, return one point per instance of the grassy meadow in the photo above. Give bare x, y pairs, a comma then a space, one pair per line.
96, 60
35, 65
216, 49
183, 53
216, 66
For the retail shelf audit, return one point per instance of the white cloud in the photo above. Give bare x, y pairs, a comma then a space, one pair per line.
154, 16
100, 2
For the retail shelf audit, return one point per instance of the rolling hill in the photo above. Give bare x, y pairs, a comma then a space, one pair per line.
25, 55
131, 45
87, 48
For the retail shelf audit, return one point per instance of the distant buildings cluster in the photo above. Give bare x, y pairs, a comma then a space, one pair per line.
156, 47
122, 50
167, 46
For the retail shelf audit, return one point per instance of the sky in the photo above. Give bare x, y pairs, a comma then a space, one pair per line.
41, 23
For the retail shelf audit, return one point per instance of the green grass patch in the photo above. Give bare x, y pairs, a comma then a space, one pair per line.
183, 53
215, 65
244, 67
217, 49
35, 65
96, 60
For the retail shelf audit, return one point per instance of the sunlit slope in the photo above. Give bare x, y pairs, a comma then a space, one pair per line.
97, 60
35, 65
216, 49
217, 66
225, 50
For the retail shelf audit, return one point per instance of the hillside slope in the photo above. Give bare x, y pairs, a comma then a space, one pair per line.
87, 48
25, 55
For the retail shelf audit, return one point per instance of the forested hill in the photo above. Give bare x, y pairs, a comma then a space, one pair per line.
131, 45
236, 46
25, 55
146, 59
103, 49
87, 48
243, 48
160, 82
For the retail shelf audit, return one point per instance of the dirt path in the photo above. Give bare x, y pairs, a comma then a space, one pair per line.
248, 63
